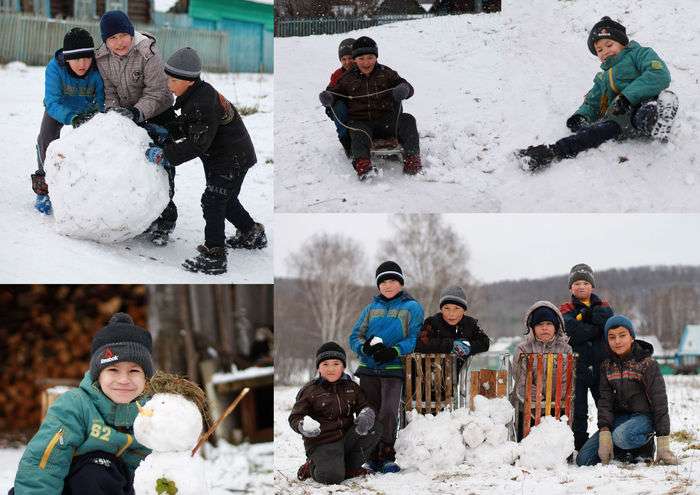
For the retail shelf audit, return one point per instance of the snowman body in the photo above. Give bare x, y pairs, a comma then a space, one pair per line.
170, 426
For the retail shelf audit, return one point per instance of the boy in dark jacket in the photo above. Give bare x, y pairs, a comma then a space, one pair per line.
633, 402
339, 114
336, 421
73, 93
584, 318
373, 93
86, 442
628, 99
210, 128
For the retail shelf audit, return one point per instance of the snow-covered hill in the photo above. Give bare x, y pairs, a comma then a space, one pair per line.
486, 85
32, 251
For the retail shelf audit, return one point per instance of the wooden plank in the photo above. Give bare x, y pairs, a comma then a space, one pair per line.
473, 388
569, 386
548, 385
438, 367
502, 383
408, 372
427, 372
419, 383
557, 398
449, 368
528, 394
538, 392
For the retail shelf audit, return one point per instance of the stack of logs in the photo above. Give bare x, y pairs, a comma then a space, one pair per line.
45, 336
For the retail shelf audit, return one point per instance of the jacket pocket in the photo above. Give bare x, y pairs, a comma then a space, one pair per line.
57, 438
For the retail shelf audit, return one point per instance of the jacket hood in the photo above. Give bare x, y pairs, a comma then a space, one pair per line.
547, 304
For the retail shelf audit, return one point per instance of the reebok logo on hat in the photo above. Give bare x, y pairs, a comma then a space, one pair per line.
108, 356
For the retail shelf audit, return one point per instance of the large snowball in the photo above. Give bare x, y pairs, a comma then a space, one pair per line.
547, 445
168, 423
102, 187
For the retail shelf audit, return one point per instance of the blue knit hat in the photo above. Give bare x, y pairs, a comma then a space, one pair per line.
619, 321
114, 22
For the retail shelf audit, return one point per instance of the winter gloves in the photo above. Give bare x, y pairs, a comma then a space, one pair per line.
364, 421
369, 349
132, 113
620, 105
462, 348
576, 122
311, 431
663, 452
326, 98
401, 91
39, 185
83, 117
605, 446
155, 154
43, 204
385, 354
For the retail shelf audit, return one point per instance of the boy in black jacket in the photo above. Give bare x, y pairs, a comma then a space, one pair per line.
210, 128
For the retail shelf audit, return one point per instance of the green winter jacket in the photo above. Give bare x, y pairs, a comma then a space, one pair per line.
637, 72
80, 421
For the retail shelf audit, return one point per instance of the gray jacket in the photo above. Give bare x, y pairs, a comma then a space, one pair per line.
137, 79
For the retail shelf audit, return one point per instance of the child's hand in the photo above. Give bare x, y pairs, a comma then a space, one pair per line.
158, 133
132, 113
385, 354
462, 348
369, 349
82, 117
155, 154
620, 105
364, 421
309, 427
576, 122
326, 98
401, 91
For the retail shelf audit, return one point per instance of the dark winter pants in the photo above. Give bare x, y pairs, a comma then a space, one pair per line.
587, 378
629, 431
220, 203
50, 131
384, 128
384, 396
332, 460
341, 112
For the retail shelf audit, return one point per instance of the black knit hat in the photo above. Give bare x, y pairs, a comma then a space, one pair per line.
345, 47
581, 272
606, 28
543, 313
121, 340
453, 295
184, 64
330, 350
115, 22
364, 45
77, 43
389, 270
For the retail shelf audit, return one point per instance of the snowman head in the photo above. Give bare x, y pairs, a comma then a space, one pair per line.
168, 423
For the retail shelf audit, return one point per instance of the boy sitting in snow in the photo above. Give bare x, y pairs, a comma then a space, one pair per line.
584, 317
86, 444
73, 93
386, 330
336, 421
545, 334
633, 404
340, 107
210, 128
373, 92
628, 98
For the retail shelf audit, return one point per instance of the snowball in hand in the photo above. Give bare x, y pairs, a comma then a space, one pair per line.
102, 187
310, 424
376, 340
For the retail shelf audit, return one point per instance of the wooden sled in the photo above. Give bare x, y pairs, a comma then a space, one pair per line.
387, 148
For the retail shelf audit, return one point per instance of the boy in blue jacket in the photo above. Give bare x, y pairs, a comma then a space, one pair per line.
628, 99
386, 330
73, 93
86, 442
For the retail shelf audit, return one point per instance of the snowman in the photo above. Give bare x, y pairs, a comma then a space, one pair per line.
170, 425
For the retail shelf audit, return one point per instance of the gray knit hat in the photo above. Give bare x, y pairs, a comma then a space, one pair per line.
121, 340
184, 64
453, 295
330, 350
345, 47
581, 272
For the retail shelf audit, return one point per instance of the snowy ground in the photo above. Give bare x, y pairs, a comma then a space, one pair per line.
486, 85
229, 469
34, 252
614, 479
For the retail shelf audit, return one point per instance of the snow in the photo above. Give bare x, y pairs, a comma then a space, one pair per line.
487, 469
246, 374
496, 83
547, 445
34, 252
163, 5
376, 340
59, 390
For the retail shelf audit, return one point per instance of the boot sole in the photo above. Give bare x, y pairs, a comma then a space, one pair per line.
667, 107
195, 269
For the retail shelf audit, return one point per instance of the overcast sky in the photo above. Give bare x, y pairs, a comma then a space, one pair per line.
513, 246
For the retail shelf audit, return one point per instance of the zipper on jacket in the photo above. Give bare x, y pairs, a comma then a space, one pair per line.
57, 438
129, 440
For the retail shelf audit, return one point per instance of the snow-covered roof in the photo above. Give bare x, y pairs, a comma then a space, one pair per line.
653, 340
245, 374
163, 5
690, 340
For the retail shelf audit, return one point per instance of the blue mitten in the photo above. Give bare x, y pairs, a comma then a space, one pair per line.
158, 133
43, 204
462, 348
155, 154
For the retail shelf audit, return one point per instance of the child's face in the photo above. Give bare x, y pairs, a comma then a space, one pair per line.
366, 62
452, 313
582, 290
80, 65
178, 86
607, 48
620, 340
122, 382
331, 369
120, 43
544, 331
347, 62
389, 288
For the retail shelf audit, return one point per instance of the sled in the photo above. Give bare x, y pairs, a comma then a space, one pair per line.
540, 369
428, 382
387, 148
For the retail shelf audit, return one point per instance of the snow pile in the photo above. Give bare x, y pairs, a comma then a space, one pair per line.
241, 468
102, 187
547, 445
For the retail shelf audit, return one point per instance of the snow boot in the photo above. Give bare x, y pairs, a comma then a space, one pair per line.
390, 467
536, 157
363, 166
211, 261
159, 232
43, 204
254, 238
412, 164
354, 473
384, 460
304, 472
666, 108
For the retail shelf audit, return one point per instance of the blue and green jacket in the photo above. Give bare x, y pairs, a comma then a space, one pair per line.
80, 421
397, 322
637, 72
66, 95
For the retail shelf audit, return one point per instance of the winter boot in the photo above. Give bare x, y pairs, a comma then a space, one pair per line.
254, 238
304, 472
43, 204
363, 167
536, 157
159, 232
211, 261
354, 473
386, 455
645, 453
666, 108
412, 165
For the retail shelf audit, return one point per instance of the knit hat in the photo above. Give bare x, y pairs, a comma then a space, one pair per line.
77, 43
606, 28
364, 45
581, 272
389, 270
121, 340
345, 47
453, 295
619, 321
329, 350
184, 64
543, 313
115, 22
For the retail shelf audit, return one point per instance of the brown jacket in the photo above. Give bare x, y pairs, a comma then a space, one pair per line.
334, 405
137, 79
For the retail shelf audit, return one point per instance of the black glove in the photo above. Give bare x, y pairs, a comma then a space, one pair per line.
39, 185
401, 91
370, 349
385, 354
326, 98
620, 105
132, 113
82, 117
576, 122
